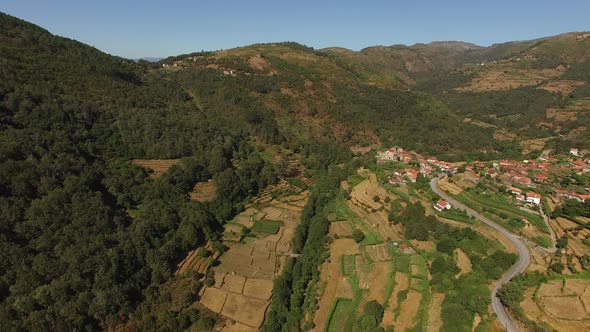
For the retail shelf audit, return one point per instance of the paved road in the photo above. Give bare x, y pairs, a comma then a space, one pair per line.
519, 267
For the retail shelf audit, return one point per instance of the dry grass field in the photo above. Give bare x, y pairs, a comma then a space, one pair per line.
463, 262
402, 283
340, 228
332, 279
531, 145
246, 271
156, 166
204, 191
563, 304
435, 311
564, 87
409, 309
504, 77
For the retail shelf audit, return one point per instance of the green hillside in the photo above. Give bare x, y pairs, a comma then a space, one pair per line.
90, 241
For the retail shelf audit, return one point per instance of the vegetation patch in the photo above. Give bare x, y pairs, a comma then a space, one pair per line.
267, 226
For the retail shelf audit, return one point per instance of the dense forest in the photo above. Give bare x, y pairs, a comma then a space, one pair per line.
86, 237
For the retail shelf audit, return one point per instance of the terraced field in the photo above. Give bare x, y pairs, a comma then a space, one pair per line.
246, 271
375, 269
156, 166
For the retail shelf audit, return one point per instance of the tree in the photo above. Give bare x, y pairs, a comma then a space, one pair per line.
374, 309
358, 236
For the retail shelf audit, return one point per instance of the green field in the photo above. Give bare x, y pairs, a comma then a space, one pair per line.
499, 206
338, 209
456, 215
338, 313
347, 265
419, 264
267, 226
342, 314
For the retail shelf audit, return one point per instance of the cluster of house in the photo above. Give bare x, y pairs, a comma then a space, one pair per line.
582, 198
527, 173
426, 165
530, 197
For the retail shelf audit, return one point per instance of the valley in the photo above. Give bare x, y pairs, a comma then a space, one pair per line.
278, 187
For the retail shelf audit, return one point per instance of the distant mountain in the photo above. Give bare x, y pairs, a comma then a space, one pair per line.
150, 59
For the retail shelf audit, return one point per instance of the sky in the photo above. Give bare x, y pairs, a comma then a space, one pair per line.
136, 29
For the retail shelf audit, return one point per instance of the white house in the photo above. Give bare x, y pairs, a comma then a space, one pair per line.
442, 205
575, 152
534, 198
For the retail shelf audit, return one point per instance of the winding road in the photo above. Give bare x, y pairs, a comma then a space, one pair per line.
518, 268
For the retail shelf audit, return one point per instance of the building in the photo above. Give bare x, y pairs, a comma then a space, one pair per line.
442, 205
575, 152
514, 190
541, 178
534, 198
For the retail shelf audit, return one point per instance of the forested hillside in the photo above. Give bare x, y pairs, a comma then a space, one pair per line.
87, 239
299, 95
90, 241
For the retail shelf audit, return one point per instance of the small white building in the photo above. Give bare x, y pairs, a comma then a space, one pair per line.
442, 205
575, 152
534, 198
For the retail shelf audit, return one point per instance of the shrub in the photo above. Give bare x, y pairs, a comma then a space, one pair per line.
374, 309
358, 236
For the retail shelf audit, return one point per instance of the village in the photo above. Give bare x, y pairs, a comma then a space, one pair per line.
526, 181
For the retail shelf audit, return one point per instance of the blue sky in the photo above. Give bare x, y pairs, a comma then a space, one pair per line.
160, 28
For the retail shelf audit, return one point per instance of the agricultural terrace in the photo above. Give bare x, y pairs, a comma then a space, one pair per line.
157, 167
381, 274
259, 241
495, 203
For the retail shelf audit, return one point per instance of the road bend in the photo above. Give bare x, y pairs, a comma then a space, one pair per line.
518, 268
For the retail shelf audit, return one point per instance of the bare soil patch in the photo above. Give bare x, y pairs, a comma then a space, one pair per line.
157, 166
560, 115
204, 191
463, 262
233, 283
258, 63
409, 309
531, 145
447, 186
427, 246
258, 288
434, 312
213, 299
340, 228
231, 326
379, 252
566, 224
504, 135
564, 87
506, 78
479, 123
344, 289
378, 279
246, 310
329, 273
564, 307
401, 283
